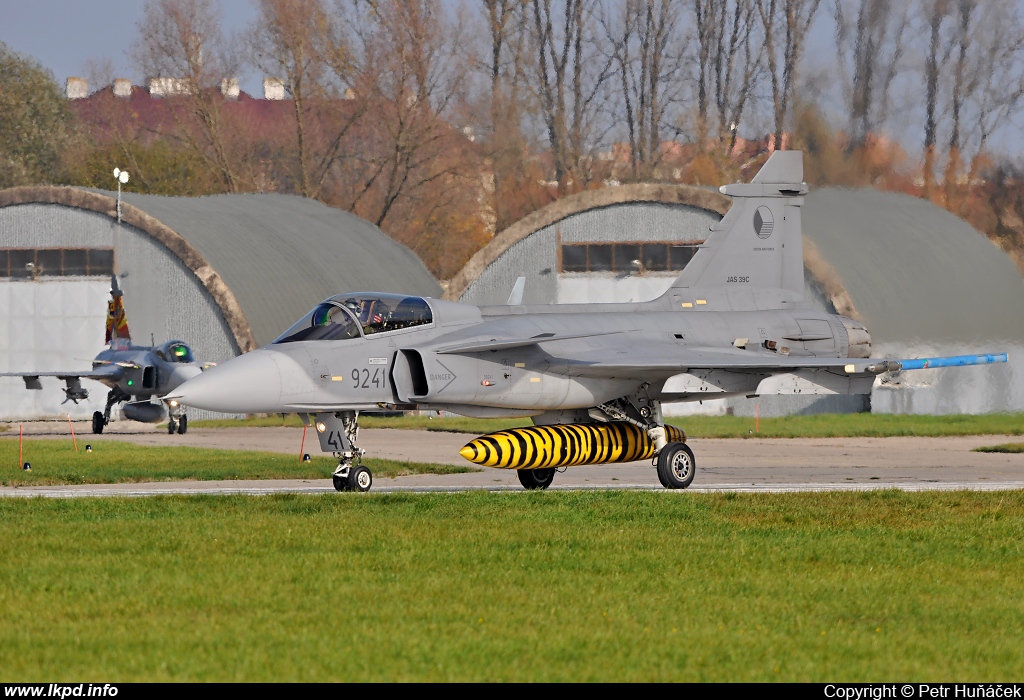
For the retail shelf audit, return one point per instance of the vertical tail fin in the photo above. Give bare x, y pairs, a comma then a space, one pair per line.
753, 258
117, 336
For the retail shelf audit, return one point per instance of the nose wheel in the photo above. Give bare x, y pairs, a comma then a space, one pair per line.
177, 426
352, 478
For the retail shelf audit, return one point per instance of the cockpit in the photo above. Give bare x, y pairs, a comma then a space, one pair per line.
175, 351
363, 313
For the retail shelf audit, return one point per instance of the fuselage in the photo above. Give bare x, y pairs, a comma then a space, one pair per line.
148, 371
415, 366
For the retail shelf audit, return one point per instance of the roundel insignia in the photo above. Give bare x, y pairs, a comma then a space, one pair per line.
763, 222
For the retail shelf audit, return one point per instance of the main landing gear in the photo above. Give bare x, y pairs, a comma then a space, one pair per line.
674, 461
337, 433
100, 420
536, 478
676, 465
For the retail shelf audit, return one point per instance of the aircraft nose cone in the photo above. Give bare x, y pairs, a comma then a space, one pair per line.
180, 375
473, 454
250, 383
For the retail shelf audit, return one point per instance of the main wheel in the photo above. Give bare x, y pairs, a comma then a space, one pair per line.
182, 425
359, 479
536, 478
171, 427
97, 422
340, 484
676, 466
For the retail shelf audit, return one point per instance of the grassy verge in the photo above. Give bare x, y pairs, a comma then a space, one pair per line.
1010, 447
515, 587
826, 425
56, 462
853, 425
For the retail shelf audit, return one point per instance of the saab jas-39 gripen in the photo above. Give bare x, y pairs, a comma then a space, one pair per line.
134, 373
593, 377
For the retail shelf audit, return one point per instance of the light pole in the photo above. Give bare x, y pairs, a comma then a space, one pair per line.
122, 179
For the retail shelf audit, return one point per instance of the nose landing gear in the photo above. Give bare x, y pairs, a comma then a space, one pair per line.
178, 421
337, 433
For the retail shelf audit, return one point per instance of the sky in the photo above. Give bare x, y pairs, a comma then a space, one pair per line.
64, 35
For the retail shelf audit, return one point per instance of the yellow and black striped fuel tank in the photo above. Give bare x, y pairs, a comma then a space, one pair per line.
544, 446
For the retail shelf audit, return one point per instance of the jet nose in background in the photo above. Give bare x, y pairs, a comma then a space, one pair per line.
250, 383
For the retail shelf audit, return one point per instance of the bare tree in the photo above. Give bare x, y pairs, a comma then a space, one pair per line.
934, 13
870, 41
505, 67
570, 76
986, 83
793, 19
643, 39
181, 45
728, 64
507, 29
410, 72
301, 43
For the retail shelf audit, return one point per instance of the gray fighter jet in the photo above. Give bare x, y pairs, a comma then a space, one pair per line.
592, 376
134, 373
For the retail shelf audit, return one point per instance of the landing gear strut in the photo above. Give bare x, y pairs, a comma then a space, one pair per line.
337, 433
674, 460
177, 420
100, 420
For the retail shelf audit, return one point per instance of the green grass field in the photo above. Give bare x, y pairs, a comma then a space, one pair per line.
56, 462
610, 586
826, 425
1010, 447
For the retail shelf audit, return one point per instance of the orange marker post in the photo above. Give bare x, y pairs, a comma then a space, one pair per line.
73, 438
302, 447
757, 417
21, 446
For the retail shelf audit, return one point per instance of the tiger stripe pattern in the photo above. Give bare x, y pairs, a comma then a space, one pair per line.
546, 446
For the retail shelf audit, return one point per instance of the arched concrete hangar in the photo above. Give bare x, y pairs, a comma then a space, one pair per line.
924, 281
225, 273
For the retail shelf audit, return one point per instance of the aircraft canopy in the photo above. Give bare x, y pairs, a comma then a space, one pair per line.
175, 351
362, 313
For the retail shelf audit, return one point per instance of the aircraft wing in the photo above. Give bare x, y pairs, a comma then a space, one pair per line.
485, 344
663, 360
108, 372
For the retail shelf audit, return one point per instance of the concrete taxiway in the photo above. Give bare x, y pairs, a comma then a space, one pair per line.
769, 465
